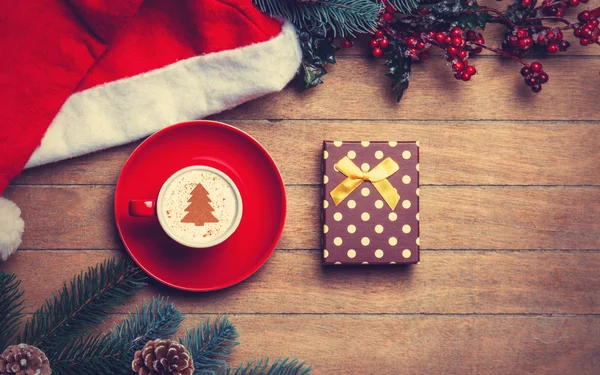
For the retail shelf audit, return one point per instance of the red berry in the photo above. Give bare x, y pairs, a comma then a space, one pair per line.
584, 41
377, 52
525, 71
594, 22
471, 35
346, 43
513, 40
573, 3
462, 54
584, 1
471, 70
536, 88
458, 66
552, 48
559, 35
521, 33
413, 52
523, 43
423, 55
530, 81
411, 41
480, 41
541, 39
586, 33
456, 32
526, 3
594, 38
448, 39
550, 35
584, 16
384, 43
374, 43
457, 41
560, 14
439, 37
379, 34
387, 16
431, 34
452, 51
420, 45
536, 67
477, 50
543, 78
458, 76
466, 76
564, 45
390, 9
577, 32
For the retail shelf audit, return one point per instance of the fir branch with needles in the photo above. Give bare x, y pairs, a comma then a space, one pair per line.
91, 355
340, 17
211, 344
153, 320
283, 366
11, 307
83, 304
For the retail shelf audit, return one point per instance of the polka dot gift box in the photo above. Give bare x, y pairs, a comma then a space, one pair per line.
370, 202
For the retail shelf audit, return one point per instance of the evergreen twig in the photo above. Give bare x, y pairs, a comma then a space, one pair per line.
210, 344
11, 307
91, 296
157, 319
341, 17
283, 366
91, 355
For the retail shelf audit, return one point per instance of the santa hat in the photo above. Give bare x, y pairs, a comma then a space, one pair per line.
77, 76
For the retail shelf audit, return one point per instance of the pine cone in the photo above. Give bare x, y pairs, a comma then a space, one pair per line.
24, 359
163, 357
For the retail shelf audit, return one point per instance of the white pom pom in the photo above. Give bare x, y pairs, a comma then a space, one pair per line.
11, 228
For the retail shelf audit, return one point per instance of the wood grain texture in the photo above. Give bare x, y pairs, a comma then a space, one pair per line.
80, 217
392, 345
356, 89
472, 153
454, 282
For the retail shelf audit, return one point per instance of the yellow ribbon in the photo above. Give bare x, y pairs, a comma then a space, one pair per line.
378, 176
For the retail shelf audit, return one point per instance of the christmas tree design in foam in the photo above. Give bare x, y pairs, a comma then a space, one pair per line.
199, 211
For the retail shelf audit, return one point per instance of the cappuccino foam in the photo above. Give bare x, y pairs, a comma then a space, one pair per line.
199, 217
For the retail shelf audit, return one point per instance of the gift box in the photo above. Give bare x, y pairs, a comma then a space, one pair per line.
370, 202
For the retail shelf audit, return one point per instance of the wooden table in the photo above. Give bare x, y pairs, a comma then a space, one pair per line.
510, 225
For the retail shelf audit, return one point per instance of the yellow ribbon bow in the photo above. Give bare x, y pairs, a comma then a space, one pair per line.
378, 176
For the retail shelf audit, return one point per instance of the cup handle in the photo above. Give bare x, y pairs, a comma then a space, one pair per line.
142, 207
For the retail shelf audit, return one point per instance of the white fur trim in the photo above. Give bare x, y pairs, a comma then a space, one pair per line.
11, 228
122, 111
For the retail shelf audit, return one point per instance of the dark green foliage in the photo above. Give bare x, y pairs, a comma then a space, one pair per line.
400, 67
11, 307
91, 355
458, 13
279, 367
210, 344
157, 319
317, 50
83, 304
341, 17
404, 6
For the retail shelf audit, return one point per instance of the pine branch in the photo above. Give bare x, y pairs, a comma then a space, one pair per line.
404, 6
210, 344
342, 17
91, 355
11, 307
88, 300
279, 367
157, 319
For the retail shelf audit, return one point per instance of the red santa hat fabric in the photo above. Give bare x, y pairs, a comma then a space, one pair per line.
78, 76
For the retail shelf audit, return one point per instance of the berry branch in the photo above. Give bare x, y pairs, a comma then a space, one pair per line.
453, 26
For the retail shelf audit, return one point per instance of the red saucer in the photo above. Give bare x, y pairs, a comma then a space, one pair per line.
250, 167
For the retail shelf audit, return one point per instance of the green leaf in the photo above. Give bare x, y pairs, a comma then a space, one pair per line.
91, 355
283, 366
317, 51
154, 320
11, 307
400, 69
85, 303
210, 344
473, 20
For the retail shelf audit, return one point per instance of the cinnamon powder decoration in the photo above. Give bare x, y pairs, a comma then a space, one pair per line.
199, 211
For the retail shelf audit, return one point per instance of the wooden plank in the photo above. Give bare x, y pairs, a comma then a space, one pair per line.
81, 217
424, 345
472, 153
357, 88
295, 282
